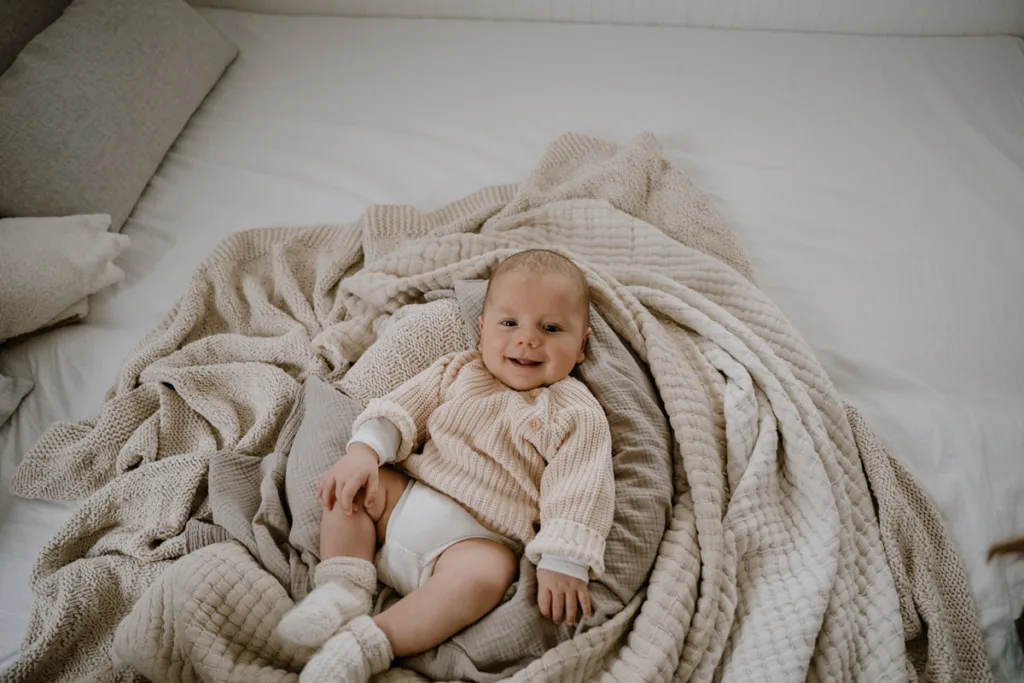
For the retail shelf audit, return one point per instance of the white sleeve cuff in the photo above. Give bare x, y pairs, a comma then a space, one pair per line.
564, 565
381, 435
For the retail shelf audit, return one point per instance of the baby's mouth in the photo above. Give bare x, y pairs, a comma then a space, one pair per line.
524, 362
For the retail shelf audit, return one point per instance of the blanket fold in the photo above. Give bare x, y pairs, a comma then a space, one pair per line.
198, 530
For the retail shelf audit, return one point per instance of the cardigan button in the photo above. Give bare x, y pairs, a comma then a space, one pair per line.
535, 393
534, 425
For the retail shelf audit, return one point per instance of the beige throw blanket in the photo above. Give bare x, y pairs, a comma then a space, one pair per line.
775, 564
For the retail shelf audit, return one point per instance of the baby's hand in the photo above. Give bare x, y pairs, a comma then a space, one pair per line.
356, 470
558, 596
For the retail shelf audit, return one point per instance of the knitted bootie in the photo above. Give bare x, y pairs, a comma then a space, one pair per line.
353, 656
344, 590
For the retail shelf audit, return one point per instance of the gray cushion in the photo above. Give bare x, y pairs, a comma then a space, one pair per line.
21, 21
92, 104
325, 426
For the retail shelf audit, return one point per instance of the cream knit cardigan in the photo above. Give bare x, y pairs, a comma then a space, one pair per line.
512, 458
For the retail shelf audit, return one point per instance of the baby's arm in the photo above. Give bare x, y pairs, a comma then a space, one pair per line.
375, 443
381, 435
561, 587
577, 503
396, 424
565, 565
577, 492
387, 431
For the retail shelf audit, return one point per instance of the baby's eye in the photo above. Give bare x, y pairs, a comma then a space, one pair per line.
508, 323
551, 329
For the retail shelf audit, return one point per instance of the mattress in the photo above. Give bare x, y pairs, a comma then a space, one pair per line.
877, 184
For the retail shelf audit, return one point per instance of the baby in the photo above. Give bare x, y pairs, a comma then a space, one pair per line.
489, 453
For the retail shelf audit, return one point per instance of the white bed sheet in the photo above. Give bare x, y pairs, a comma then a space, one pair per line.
878, 184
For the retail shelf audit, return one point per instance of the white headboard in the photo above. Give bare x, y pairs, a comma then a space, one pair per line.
897, 17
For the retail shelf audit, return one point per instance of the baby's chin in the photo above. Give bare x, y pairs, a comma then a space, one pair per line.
520, 386
518, 383
514, 380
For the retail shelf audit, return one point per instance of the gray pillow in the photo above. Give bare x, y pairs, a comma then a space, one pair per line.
21, 21
93, 103
324, 429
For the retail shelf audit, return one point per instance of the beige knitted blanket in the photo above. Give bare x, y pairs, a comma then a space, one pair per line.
774, 566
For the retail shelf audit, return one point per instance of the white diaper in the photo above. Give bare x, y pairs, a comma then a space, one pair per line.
423, 525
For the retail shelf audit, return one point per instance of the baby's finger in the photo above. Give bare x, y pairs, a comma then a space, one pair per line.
570, 609
371, 487
348, 493
544, 602
557, 606
339, 494
585, 602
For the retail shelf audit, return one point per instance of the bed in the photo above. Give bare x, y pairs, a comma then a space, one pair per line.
831, 156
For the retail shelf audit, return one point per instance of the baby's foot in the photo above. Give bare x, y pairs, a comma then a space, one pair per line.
345, 587
352, 656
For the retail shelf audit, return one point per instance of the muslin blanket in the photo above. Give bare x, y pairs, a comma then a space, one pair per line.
797, 549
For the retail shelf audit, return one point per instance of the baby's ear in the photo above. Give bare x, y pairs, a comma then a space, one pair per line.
583, 347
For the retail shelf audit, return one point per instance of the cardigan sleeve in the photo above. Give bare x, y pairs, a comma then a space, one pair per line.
577, 489
381, 435
410, 405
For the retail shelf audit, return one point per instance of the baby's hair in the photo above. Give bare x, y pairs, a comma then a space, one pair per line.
543, 261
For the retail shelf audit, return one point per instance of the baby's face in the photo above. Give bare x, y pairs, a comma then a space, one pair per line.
533, 329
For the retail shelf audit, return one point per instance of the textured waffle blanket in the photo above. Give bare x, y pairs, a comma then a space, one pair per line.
791, 545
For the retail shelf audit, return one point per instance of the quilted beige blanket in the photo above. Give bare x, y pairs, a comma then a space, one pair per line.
798, 548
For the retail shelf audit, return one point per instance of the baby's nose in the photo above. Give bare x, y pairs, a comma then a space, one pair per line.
529, 337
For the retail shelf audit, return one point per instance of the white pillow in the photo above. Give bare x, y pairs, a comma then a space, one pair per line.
49, 266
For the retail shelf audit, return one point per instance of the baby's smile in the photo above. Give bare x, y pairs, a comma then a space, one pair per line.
524, 362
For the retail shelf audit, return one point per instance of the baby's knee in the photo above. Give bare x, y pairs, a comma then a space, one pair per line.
506, 567
490, 571
347, 535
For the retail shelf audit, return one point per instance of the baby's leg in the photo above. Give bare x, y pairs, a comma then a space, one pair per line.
345, 535
469, 580
345, 578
